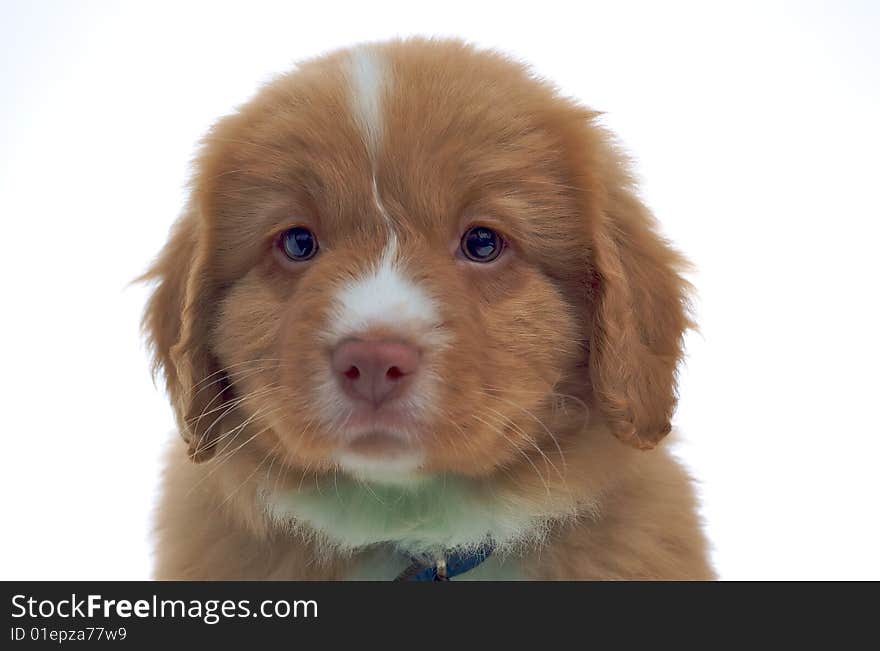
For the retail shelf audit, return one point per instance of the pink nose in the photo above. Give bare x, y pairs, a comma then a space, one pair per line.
374, 371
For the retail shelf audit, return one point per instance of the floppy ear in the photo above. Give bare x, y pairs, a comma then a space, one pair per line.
640, 314
177, 323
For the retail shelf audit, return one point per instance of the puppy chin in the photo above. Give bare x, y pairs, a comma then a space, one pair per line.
382, 457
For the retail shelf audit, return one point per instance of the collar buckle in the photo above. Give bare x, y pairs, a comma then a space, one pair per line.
446, 566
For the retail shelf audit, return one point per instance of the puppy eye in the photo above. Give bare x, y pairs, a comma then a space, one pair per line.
298, 243
481, 244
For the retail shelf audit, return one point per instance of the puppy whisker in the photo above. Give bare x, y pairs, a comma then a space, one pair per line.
531, 441
227, 410
235, 491
539, 422
226, 368
238, 429
234, 402
518, 450
220, 462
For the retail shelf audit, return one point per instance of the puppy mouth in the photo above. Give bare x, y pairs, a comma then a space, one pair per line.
388, 427
390, 418
385, 434
380, 454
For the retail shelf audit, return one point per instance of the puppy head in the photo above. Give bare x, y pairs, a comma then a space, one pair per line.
403, 257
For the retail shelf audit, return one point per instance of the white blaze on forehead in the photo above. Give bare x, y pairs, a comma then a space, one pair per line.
369, 77
368, 74
384, 297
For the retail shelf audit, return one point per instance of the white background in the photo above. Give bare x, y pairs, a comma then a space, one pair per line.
756, 131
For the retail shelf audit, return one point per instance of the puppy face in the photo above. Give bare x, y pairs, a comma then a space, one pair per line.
403, 259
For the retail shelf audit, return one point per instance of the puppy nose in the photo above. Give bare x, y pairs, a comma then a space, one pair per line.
374, 371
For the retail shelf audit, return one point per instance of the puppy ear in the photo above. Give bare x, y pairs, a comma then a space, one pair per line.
640, 314
176, 322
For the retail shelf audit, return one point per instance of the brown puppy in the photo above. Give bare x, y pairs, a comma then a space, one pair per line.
414, 309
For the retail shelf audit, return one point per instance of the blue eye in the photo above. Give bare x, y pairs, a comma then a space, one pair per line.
481, 244
298, 243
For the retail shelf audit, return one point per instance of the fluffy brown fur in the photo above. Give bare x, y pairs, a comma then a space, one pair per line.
562, 375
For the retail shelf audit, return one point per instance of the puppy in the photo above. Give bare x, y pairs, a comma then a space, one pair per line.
415, 324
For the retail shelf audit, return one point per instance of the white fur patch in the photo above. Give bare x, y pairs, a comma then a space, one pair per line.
368, 74
370, 79
401, 469
385, 297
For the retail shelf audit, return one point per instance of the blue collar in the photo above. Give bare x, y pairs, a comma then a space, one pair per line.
448, 566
